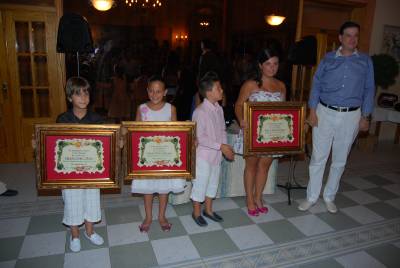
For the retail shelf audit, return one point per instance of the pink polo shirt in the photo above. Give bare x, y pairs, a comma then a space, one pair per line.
211, 132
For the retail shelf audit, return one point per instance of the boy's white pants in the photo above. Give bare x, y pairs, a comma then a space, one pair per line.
336, 130
206, 181
81, 205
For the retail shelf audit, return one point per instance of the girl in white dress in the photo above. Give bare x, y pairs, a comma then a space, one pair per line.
264, 87
156, 109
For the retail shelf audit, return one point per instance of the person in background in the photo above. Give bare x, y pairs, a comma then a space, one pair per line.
342, 98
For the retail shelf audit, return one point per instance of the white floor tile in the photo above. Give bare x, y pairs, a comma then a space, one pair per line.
43, 245
310, 225
279, 196
361, 197
249, 236
127, 233
359, 183
359, 259
14, 227
272, 215
8, 264
99, 258
394, 202
224, 204
174, 249
192, 228
362, 214
169, 213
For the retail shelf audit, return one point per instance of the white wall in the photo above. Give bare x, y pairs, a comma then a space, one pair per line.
387, 12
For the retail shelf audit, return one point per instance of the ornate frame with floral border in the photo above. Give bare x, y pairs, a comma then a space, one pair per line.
77, 156
159, 150
274, 128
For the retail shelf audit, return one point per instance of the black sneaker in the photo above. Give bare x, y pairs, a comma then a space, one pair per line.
199, 220
214, 216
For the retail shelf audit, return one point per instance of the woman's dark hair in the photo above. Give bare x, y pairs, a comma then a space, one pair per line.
262, 57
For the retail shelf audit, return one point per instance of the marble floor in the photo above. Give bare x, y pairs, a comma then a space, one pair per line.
364, 233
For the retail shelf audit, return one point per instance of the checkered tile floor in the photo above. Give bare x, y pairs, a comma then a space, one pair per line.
41, 241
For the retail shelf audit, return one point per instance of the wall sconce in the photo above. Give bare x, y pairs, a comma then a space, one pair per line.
181, 37
102, 5
274, 20
204, 23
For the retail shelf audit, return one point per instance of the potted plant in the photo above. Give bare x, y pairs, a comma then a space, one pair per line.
386, 69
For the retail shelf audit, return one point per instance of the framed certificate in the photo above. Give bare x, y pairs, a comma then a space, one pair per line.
77, 156
159, 150
274, 128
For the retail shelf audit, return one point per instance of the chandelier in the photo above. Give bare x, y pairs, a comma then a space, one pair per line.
143, 3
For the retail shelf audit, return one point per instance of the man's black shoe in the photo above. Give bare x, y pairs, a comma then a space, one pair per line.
214, 216
199, 220
9, 192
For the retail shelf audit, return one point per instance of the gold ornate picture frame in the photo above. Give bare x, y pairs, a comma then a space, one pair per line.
77, 156
274, 128
159, 150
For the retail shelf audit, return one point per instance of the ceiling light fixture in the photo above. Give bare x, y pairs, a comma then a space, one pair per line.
274, 20
102, 5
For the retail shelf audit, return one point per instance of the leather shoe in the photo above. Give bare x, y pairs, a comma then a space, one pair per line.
200, 221
10, 192
214, 216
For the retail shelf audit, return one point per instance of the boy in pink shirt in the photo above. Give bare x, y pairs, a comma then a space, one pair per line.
212, 143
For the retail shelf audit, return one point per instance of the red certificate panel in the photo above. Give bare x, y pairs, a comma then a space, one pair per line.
51, 155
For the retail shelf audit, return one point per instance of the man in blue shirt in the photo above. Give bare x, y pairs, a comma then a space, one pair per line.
341, 100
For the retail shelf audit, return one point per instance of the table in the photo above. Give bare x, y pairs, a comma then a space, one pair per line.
231, 178
389, 115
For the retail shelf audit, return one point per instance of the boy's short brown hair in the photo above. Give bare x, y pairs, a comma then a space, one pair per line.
75, 85
207, 82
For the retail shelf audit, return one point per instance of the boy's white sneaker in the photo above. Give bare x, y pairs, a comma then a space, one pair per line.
330, 206
95, 238
305, 205
75, 244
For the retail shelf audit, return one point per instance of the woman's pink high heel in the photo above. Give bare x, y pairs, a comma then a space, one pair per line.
263, 210
252, 212
144, 228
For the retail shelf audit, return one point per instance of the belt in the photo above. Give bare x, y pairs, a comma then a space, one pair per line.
339, 109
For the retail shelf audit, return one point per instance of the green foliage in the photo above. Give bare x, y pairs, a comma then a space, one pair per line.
386, 68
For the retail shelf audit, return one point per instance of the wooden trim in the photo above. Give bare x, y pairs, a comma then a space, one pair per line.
27, 8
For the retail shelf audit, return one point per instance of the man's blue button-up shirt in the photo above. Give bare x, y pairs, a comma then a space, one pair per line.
345, 81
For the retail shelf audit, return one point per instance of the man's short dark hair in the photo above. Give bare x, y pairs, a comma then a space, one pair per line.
348, 24
207, 82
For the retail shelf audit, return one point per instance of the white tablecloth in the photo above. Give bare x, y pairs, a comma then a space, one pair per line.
231, 179
386, 114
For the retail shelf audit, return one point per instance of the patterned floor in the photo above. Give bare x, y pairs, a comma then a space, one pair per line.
364, 233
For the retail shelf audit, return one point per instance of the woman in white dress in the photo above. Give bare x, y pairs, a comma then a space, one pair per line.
264, 87
156, 109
